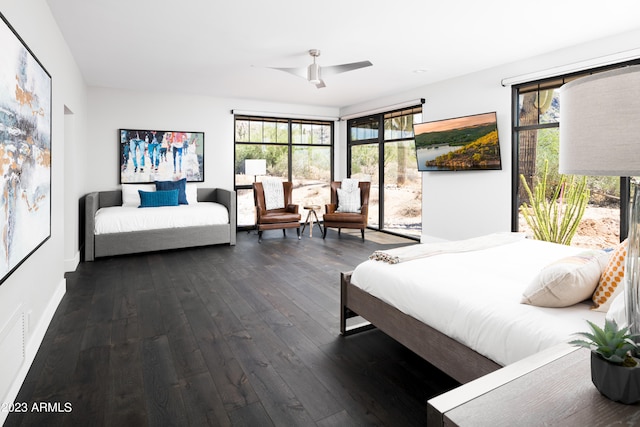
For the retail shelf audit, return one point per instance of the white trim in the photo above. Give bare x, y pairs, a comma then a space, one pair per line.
574, 67
393, 107
33, 345
72, 264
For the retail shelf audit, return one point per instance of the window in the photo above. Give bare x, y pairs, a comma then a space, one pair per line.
300, 151
381, 149
537, 121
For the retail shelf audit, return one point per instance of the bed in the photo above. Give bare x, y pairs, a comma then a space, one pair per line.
112, 227
461, 309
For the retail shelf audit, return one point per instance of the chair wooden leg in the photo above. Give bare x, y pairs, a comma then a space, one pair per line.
362, 234
284, 232
339, 230
324, 232
298, 231
259, 236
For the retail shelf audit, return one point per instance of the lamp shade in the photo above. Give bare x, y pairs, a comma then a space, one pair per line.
600, 124
255, 167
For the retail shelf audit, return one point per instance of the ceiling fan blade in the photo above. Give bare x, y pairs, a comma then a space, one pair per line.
300, 72
336, 69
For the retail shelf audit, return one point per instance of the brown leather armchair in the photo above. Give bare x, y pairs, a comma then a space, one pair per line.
341, 220
275, 219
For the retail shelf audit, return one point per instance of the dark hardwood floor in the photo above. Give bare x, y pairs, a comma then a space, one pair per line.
243, 336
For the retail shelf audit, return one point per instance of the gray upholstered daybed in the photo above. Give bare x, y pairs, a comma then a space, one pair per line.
118, 243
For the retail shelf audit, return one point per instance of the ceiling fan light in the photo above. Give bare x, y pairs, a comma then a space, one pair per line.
313, 73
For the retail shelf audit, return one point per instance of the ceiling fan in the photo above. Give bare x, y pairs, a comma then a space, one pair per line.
314, 73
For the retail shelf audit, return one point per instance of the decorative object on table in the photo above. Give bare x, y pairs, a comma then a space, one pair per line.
155, 155
346, 215
557, 219
600, 135
25, 151
614, 370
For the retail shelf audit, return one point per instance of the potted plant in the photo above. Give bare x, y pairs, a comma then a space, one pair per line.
614, 369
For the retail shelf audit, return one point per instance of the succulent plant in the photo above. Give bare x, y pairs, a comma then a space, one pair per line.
613, 344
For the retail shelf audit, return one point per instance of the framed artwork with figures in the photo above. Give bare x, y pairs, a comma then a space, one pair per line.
158, 155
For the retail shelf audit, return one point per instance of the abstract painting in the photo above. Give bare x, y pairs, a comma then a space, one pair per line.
25, 151
156, 155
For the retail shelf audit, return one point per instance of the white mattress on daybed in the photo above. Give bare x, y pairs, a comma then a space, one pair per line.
122, 219
474, 297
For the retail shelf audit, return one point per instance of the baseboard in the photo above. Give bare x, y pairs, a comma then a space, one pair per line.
33, 345
72, 264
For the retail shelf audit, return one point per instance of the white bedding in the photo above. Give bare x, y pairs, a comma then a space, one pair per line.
122, 219
474, 297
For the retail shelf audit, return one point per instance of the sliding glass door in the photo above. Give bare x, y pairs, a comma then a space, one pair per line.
381, 149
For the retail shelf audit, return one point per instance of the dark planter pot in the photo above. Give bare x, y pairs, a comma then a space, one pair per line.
616, 382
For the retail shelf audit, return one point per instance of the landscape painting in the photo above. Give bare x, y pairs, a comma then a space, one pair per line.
25, 151
462, 143
154, 155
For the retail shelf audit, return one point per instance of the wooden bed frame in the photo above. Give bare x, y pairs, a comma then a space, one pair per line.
446, 354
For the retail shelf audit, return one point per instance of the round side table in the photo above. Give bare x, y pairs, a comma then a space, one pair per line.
310, 218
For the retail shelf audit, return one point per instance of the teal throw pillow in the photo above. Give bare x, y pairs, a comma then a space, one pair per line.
154, 199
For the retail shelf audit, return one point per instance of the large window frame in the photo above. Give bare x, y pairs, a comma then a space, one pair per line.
291, 134
544, 85
371, 130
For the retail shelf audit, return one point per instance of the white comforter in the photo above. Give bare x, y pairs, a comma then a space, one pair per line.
121, 219
474, 297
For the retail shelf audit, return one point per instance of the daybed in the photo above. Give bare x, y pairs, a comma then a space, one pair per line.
461, 310
157, 236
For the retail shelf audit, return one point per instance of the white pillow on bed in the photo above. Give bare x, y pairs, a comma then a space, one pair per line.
130, 195
192, 193
567, 281
617, 311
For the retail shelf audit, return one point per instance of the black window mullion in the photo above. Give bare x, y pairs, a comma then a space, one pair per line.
515, 161
381, 172
290, 154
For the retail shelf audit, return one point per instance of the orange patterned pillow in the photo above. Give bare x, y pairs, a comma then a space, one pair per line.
611, 281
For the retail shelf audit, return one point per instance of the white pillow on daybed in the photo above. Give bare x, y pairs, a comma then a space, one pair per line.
130, 195
191, 190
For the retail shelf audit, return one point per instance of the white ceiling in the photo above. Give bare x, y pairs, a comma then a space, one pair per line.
223, 48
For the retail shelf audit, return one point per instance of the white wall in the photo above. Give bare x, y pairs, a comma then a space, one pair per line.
110, 110
37, 286
458, 205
